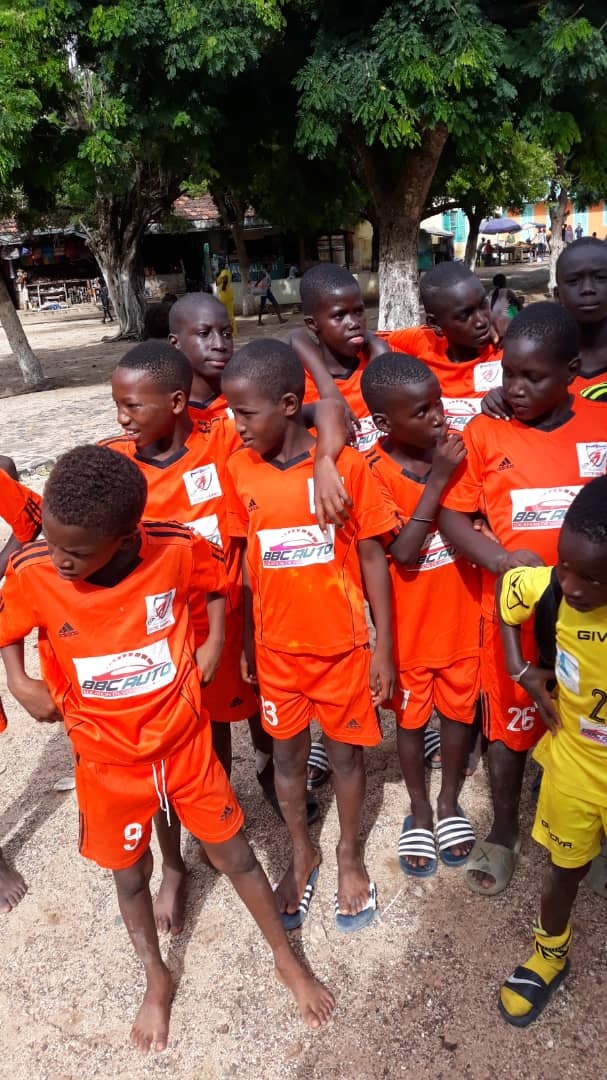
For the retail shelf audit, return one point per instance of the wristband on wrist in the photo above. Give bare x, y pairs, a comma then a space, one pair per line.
520, 674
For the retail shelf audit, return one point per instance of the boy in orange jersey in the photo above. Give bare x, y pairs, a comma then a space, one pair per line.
200, 327
457, 342
20, 508
522, 475
122, 666
436, 604
311, 654
334, 311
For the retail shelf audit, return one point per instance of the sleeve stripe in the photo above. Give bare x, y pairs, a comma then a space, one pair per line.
37, 551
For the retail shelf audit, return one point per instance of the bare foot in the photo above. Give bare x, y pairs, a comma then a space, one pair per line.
151, 1028
12, 887
352, 881
169, 906
293, 883
314, 1001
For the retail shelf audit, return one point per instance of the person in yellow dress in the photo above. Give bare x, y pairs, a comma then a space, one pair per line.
226, 295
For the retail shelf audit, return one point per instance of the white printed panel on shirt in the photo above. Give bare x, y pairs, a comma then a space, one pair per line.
207, 527
126, 674
366, 433
202, 484
159, 611
460, 411
592, 458
541, 508
302, 545
434, 553
487, 375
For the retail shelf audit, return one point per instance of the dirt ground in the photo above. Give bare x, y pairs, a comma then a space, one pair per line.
416, 991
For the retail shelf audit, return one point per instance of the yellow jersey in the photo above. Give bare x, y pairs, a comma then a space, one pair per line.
575, 756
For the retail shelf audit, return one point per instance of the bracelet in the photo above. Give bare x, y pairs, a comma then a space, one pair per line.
427, 521
520, 674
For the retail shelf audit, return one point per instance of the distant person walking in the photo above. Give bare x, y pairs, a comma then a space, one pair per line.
263, 290
225, 294
579, 232
104, 297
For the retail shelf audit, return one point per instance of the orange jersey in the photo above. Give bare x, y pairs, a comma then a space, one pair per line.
307, 585
20, 507
437, 601
349, 387
524, 479
119, 661
463, 385
204, 412
583, 383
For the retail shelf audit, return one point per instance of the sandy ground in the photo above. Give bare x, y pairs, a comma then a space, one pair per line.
416, 991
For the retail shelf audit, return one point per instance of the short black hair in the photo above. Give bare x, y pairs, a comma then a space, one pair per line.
165, 365
98, 490
188, 307
271, 366
591, 242
388, 372
322, 281
156, 320
550, 325
441, 277
499, 281
587, 514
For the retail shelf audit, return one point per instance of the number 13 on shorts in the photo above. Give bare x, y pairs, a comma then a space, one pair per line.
270, 715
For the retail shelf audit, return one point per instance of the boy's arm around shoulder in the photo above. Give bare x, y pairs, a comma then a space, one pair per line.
517, 593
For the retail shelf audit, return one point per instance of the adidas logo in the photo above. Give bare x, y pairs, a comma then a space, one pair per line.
67, 631
352, 724
505, 463
226, 813
252, 505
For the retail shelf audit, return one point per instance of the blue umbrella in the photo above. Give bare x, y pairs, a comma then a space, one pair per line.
492, 226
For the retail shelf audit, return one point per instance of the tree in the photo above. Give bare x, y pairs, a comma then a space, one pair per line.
133, 119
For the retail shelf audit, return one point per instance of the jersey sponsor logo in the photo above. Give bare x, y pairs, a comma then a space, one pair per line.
159, 610
126, 674
366, 433
585, 635
434, 553
460, 411
541, 508
207, 527
202, 484
487, 374
304, 545
592, 458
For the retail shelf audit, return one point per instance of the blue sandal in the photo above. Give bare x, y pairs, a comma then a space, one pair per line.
349, 924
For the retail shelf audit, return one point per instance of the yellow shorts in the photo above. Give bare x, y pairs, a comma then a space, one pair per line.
571, 829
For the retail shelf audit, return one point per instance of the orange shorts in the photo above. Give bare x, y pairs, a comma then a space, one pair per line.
117, 802
333, 689
228, 698
452, 690
509, 714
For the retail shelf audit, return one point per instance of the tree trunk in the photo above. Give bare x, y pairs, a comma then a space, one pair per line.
558, 212
399, 185
232, 213
29, 364
475, 216
116, 245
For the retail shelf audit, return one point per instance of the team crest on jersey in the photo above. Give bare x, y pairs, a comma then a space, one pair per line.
541, 508
460, 411
434, 553
304, 545
487, 375
202, 484
592, 457
207, 527
126, 674
159, 610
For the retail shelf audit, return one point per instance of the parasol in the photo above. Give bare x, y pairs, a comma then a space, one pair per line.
493, 226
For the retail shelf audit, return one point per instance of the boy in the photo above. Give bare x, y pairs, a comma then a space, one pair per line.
122, 666
305, 587
334, 311
436, 604
523, 476
200, 328
571, 814
457, 342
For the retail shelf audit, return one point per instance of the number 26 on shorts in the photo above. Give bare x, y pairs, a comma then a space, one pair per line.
522, 719
270, 715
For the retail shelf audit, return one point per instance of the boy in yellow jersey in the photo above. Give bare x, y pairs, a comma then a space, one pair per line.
570, 602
